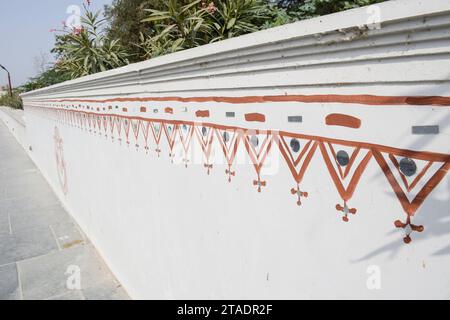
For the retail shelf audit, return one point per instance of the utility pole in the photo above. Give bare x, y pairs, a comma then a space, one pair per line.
9, 80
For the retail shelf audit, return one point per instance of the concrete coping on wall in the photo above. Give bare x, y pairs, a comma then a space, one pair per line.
354, 23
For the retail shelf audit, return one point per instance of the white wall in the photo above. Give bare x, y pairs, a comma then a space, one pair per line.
170, 231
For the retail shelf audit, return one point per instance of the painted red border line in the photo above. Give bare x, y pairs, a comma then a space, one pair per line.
343, 120
420, 155
202, 113
255, 117
326, 98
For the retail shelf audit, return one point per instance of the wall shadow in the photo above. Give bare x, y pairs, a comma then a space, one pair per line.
437, 211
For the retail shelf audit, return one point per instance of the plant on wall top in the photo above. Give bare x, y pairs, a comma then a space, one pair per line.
137, 30
181, 26
176, 27
87, 50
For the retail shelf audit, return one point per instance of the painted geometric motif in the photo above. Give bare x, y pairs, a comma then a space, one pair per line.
156, 128
229, 141
346, 168
60, 161
413, 175
205, 136
297, 154
413, 184
258, 145
170, 130
186, 132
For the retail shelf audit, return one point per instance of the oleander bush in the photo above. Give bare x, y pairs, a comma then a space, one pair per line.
89, 49
136, 30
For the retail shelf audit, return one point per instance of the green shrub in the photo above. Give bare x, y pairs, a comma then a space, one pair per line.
88, 50
13, 102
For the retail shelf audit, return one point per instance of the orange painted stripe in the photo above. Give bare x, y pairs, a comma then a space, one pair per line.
202, 113
420, 155
343, 120
364, 99
258, 117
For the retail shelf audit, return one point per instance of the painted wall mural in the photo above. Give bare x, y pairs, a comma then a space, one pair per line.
60, 161
412, 175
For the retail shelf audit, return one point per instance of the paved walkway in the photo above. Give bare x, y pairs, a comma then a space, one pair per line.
42, 250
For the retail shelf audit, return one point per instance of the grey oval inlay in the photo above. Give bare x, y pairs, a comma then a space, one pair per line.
295, 145
408, 167
342, 158
226, 136
254, 140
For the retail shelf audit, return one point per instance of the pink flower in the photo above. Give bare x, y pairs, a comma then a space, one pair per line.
211, 8
77, 31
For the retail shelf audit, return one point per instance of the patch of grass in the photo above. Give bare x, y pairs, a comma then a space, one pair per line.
14, 102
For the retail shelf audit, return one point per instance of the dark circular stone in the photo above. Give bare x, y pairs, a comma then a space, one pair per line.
342, 158
226, 136
254, 140
408, 167
295, 145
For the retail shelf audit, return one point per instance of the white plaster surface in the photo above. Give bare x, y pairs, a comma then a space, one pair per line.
168, 231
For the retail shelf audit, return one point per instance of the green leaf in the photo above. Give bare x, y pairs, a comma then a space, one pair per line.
176, 44
187, 7
156, 18
231, 23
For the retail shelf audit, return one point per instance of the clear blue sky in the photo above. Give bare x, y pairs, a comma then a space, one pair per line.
25, 33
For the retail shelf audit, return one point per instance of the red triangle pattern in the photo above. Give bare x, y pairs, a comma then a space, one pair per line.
171, 134
157, 132
358, 161
338, 176
145, 128
258, 157
229, 141
206, 142
186, 132
297, 164
410, 207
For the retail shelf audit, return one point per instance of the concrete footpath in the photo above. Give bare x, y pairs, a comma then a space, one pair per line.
43, 253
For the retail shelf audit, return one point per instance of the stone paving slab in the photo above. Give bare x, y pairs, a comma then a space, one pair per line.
4, 224
26, 244
43, 252
9, 283
47, 276
44, 216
